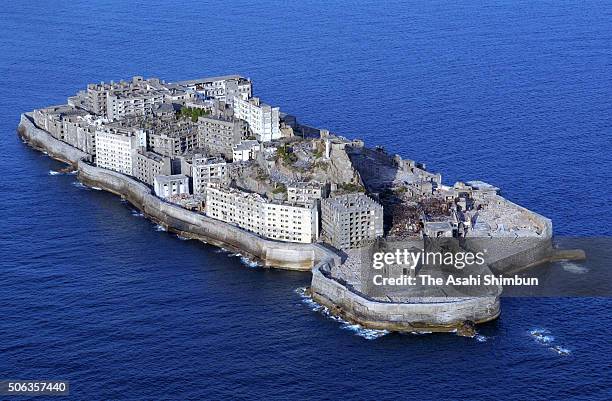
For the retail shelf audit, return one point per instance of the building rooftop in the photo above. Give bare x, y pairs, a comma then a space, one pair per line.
210, 79
352, 202
482, 185
169, 178
246, 145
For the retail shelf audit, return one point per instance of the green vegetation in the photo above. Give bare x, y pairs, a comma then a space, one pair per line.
191, 112
318, 154
286, 155
280, 188
350, 187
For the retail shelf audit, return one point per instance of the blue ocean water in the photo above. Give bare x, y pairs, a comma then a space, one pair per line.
516, 93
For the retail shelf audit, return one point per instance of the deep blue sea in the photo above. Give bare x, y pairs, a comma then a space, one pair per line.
516, 93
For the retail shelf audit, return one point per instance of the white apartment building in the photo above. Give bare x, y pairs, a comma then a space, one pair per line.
116, 147
223, 88
263, 119
245, 150
138, 102
205, 170
167, 186
279, 221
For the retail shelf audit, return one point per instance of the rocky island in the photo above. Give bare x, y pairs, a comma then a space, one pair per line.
209, 161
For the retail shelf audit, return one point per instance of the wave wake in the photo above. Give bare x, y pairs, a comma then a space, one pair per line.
544, 338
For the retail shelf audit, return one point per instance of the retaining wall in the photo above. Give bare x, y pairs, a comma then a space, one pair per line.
41, 139
446, 315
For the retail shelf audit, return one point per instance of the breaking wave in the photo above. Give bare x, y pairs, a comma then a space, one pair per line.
53, 172
243, 259
480, 338
368, 334
159, 227
248, 262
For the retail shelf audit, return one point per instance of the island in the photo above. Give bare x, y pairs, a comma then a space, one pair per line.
209, 161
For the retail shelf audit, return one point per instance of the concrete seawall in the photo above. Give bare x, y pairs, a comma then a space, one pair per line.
440, 315
42, 140
196, 225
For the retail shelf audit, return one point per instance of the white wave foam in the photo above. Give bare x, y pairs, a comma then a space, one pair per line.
480, 338
182, 238
137, 213
248, 262
572, 267
560, 350
544, 338
80, 185
97, 188
368, 334
420, 333
53, 172
159, 227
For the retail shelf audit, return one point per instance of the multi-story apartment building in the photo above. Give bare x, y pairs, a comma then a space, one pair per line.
68, 124
279, 221
223, 88
172, 138
290, 222
350, 221
134, 102
220, 134
116, 147
306, 192
95, 98
139, 96
148, 165
263, 119
206, 170
245, 150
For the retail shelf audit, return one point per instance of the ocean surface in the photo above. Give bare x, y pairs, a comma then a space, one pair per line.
516, 93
